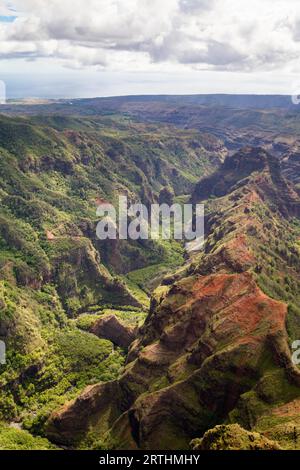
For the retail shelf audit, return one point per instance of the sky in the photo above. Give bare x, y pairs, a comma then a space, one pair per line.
86, 48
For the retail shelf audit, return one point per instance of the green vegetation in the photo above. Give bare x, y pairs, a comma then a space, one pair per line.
233, 437
128, 317
16, 439
56, 278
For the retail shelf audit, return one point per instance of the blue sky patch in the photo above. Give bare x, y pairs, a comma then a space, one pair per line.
7, 19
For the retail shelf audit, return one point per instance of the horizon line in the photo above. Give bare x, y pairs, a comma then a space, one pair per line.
36, 98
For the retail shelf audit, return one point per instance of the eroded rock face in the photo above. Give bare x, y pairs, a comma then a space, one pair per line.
214, 347
233, 437
198, 352
238, 170
291, 163
112, 329
234, 169
84, 410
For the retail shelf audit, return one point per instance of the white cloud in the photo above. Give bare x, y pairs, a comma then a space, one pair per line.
202, 34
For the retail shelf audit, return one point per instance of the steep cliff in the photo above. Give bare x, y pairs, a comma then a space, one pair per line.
215, 345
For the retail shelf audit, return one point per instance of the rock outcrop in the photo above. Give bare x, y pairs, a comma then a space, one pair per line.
236, 172
112, 329
199, 351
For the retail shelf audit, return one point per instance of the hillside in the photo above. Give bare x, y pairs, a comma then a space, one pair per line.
215, 347
56, 277
234, 120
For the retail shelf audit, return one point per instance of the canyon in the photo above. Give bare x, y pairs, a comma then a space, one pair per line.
140, 344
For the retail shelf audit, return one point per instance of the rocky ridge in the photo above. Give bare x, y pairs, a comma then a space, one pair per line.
214, 348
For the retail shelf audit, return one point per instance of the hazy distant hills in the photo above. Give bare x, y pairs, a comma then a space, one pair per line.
235, 101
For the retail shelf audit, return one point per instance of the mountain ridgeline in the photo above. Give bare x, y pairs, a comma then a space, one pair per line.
123, 344
215, 346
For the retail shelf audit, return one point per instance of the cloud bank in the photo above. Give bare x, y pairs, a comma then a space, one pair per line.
227, 35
